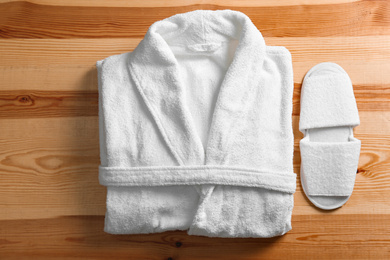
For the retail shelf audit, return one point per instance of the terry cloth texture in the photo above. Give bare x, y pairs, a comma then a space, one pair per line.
196, 131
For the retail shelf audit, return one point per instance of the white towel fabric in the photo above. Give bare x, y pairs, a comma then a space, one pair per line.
329, 167
196, 132
328, 99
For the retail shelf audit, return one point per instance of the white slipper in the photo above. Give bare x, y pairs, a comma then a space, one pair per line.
329, 151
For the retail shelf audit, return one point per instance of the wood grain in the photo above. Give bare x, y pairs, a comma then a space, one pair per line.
175, 3
365, 58
51, 204
23, 104
30, 20
313, 236
34, 103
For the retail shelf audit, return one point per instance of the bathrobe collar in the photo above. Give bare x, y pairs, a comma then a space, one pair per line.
154, 70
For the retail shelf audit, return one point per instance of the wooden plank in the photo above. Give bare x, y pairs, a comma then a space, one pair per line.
175, 3
325, 236
368, 98
65, 77
30, 20
61, 52
38, 103
37, 52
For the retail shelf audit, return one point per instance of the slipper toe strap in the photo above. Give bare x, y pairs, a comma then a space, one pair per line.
328, 101
329, 168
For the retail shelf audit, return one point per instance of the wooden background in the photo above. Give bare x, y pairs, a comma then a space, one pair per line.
51, 204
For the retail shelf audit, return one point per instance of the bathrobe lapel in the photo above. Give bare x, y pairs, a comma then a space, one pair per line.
154, 70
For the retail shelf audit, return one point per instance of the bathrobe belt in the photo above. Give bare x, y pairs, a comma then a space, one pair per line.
197, 175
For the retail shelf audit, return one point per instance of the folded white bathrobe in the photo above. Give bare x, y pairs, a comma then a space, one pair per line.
195, 130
